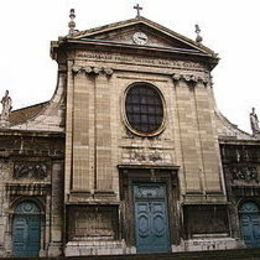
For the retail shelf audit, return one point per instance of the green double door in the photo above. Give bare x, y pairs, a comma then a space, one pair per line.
26, 231
151, 218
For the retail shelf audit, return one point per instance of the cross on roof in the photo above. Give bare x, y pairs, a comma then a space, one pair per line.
138, 8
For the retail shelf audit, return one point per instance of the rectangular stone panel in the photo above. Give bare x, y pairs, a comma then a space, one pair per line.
104, 179
92, 222
202, 220
81, 132
188, 137
208, 140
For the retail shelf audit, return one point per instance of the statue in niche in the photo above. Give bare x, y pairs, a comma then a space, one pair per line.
254, 122
6, 106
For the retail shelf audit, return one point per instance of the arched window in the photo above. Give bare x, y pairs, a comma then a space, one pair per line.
144, 108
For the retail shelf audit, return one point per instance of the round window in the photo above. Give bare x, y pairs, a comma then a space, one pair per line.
144, 109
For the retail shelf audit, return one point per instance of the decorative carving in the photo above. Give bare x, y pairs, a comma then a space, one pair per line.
97, 70
254, 121
27, 208
137, 156
92, 70
156, 191
190, 78
246, 174
30, 170
146, 157
154, 157
108, 71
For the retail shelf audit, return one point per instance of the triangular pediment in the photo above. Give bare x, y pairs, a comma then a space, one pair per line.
142, 32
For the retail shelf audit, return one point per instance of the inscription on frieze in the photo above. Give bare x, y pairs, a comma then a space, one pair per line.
146, 157
37, 170
107, 57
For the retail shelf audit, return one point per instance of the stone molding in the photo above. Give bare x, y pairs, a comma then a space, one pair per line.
28, 189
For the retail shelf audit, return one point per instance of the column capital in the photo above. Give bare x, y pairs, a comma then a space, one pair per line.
93, 70
190, 78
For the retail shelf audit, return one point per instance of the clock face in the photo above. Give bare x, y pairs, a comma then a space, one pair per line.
140, 38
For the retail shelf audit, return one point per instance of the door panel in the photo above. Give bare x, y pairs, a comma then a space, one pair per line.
151, 219
250, 224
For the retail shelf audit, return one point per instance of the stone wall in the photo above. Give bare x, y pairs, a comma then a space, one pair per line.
31, 167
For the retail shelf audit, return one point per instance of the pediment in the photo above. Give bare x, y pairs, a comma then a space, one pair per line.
156, 36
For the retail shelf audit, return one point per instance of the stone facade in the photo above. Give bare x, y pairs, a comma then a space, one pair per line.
96, 179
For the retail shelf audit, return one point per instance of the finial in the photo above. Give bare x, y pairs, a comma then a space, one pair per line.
138, 8
197, 31
71, 23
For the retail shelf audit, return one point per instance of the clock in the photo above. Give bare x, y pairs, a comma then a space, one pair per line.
140, 38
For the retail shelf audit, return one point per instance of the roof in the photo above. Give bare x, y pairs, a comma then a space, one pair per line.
21, 115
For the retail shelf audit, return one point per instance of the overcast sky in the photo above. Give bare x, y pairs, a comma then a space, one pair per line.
229, 27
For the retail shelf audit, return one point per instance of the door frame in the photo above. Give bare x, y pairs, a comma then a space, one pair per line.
130, 174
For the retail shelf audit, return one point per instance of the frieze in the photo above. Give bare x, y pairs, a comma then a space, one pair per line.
108, 57
245, 174
30, 170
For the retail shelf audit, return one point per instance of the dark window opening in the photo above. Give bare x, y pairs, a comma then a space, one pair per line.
144, 108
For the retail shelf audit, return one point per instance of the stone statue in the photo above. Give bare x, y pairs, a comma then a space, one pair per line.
254, 122
6, 106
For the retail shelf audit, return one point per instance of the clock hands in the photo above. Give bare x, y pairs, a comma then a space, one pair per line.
142, 38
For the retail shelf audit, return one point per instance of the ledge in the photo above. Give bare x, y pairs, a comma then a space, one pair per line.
148, 167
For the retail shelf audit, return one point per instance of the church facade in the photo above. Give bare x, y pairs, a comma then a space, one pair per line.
130, 155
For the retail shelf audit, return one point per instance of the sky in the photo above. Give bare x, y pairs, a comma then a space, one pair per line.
229, 27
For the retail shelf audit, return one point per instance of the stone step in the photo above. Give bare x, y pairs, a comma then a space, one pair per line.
235, 254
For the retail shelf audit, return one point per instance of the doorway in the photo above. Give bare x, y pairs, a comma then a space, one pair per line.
250, 224
26, 230
151, 218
